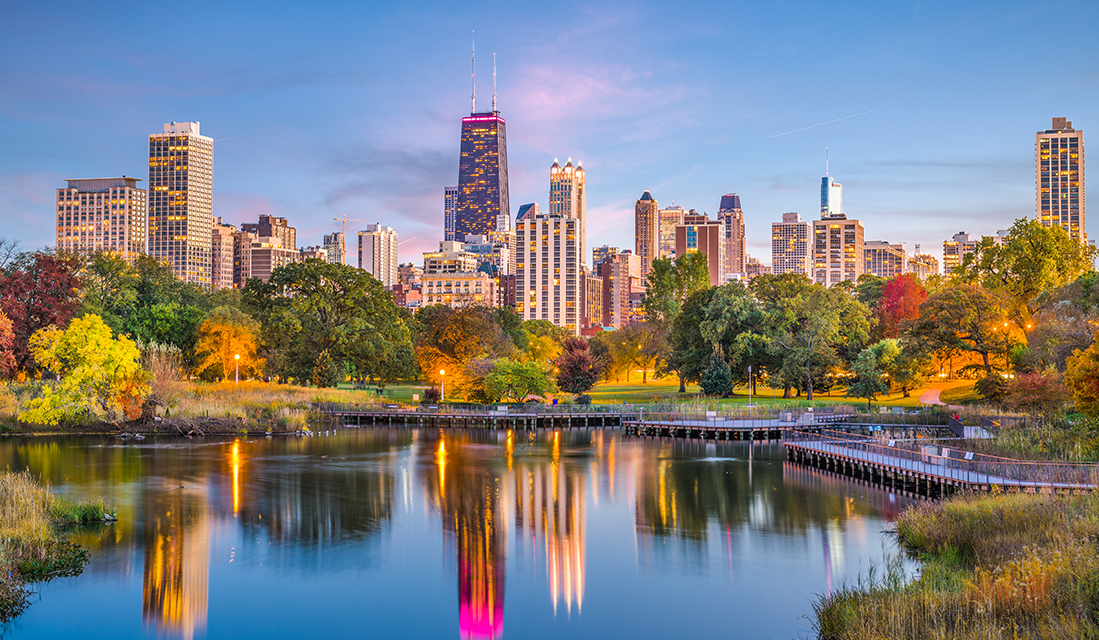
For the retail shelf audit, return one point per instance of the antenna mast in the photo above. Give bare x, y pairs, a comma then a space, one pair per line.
473, 76
494, 82
826, 162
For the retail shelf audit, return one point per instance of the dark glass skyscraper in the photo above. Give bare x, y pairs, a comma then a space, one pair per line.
483, 176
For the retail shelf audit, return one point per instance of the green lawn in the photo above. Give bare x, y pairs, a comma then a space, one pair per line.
962, 393
396, 392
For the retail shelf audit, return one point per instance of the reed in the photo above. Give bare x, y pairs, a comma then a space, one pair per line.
31, 547
993, 567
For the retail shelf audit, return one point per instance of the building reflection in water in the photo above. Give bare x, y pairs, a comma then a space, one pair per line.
177, 558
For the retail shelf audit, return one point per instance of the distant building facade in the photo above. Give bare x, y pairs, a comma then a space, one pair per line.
732, 220
276, 230
221, 255
699, 234
791, 246
548, 270
955, 250
459, 289
378, 253
336, 246
838, 250
181, 200
483, 205
670, 218
1059, 175
884, 259
102, 214
646, 225
450, 212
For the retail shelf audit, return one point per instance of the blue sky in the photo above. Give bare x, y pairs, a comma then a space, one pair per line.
355, 108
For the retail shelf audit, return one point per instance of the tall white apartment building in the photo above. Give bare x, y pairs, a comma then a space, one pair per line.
670, 218
102, 214
378, 253
547, 266
791, 246
181, 200
336, 246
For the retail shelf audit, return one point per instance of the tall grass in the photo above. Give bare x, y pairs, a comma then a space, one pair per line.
994, 567
31, 548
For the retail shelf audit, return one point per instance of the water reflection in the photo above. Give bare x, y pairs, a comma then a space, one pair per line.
196, 515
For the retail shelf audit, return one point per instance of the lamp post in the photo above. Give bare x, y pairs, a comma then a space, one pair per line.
750, 386
442, 386
236, 356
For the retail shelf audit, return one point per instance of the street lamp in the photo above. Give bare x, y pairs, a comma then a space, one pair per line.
750, 387
442, 386
236, 356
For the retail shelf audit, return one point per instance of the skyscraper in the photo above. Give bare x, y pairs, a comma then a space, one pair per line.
102, 214
221, 255
483, 206
670, 218
732, 217
548, 275
450, 212
1059, 170
955, 250
336, 246
699, 234
181, 200
646, 228
567, 197
884, 259
378, 253
791, 251
838, 250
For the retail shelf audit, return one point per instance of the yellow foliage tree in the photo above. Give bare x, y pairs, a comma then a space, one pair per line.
226, 333
1082, 377
98, 373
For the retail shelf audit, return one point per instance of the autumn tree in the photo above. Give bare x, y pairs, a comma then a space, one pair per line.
225, 334
38, 290
965, 317
577, 370
1038, 393
1082, 378
899, 304
99, 374
7, 347
449, 339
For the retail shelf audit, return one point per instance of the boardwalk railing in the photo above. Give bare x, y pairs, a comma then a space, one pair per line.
947, 462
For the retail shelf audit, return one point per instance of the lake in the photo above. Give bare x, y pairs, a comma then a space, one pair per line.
405, 533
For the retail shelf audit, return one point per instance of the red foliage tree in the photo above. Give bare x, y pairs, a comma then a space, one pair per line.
38, 290
7, 347
901, 297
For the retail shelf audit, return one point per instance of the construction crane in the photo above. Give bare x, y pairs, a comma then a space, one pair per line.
345, 220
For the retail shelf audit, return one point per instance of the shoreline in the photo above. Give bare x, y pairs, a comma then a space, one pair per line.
180, 427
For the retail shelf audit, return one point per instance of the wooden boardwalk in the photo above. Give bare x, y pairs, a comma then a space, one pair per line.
479, 419
932, 470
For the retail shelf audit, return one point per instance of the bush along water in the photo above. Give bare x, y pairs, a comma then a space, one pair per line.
32, 545
994, 566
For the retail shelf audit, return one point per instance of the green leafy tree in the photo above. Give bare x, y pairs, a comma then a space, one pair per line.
717, 380
670, 282
735, 324
871, 369
517, 380
99, 374
964, 317
688, 351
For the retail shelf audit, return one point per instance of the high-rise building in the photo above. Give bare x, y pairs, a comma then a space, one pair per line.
274, 230
492, 250
267, 254
451, 257
838, 250
955, 250
831, 198
1059, 170
884, 259
450, 212
548, 270
620, 272
102, 214
483, 206
567, 196
732, 219
221, 255
528, 211
791, 246
336, 246
242, 258
181, 200
378, 253
646, 229
591, 315
670, 218
699, 234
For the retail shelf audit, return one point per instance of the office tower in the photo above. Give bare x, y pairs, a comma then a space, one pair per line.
275, 230
955, 250
378, 253
831, 198
483, 175
838, 250
791, 248
646, 229
102, 214
528, 211
753, 267
1059, 170
336, 246
591, 315
732, 218
620, 272
670, 218
884, 259
221, 255
181, 200
450, 212
547, 266
699, 234
567, 196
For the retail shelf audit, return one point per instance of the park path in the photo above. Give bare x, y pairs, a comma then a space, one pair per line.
931, 395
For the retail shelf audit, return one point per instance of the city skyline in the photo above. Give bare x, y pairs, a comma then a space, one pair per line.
911, 174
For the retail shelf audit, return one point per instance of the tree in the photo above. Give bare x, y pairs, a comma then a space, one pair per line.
870, 368
109, 285
168, 323
1082, 378
322, 321
1032, 260
899, 304
577, 370
449, 339
964, 317
717, 380
38, 290
1039, 393
687, 350
734, 325
225, 334
868, 289
96, 371
1064, 323
517, 380
7, 347
637, 345
670, 282
543, 341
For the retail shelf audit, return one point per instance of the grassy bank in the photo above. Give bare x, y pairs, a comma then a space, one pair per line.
1007, 566
32, 549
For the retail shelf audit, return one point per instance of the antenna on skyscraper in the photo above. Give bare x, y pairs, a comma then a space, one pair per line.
826, 162
473, 76
494, 83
